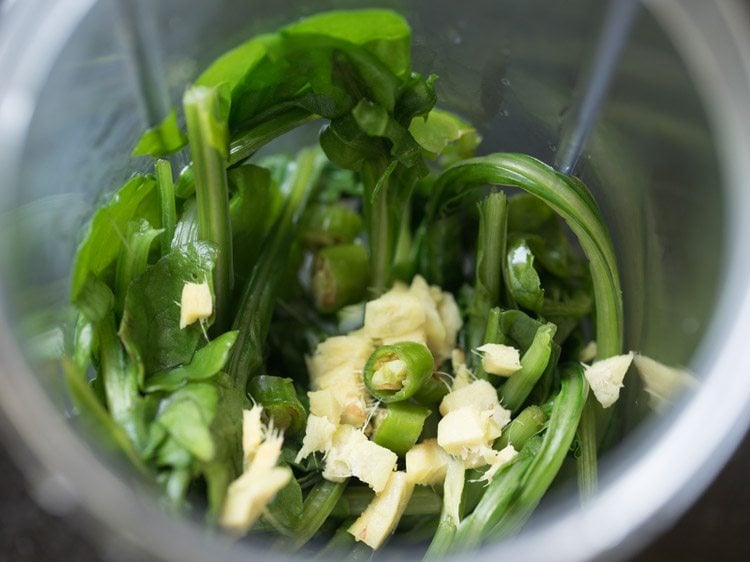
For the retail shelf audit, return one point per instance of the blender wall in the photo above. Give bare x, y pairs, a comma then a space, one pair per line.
510, 67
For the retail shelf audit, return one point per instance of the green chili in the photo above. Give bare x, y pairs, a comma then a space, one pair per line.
327, 225
396, 372
279, 400
399, 426
340, 276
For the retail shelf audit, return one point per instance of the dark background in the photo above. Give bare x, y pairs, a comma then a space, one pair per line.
717, 528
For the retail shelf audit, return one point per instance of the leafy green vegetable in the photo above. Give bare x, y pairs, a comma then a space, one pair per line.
103, 240
150, 327
161, 140
207, 130
206, 362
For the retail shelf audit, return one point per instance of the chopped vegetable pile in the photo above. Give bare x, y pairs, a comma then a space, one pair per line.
383, 333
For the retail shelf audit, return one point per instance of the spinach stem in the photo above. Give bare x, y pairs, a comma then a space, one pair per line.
259, 295
491, 242
207, 133
165, 181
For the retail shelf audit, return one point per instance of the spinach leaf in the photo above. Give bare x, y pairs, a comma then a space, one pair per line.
253, 208
103, 241
134, 258
445, 136
161, 140
206, 362
150, 326
187, 415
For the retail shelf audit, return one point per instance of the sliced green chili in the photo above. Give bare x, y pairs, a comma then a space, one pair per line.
279, 400
396, 372
340, 276
399, 426
326, 225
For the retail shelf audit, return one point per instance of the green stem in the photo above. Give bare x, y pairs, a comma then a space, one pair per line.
527, 424
120, 382
493, 220
279, 400
442, 541
493, 505
492, 334
382, 241
207, 132
259, 296
533, 363
566, 414
586, 463
318, 505
165, 181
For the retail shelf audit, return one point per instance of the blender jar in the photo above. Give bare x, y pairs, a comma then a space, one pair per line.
666, 160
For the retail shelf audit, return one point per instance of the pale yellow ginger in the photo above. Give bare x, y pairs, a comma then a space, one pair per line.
479, 393
499, 359
337, 365
248, 495
318, 436
252, 432
394, 314
427, 463
433, 326
462, 429
378, 521
462, 376
196, 303
588, 353
472, 419
488, 456
339, 353
660, 381
605, 377
325, 403
352, 454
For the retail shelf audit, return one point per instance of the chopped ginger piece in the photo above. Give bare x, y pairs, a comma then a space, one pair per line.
248, 495
461, 429
661, 381
324, 403
196, 303
499, 359
427, 463
605, 377
378, 521
318, 436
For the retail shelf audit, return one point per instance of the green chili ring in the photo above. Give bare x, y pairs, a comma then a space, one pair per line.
396, 372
